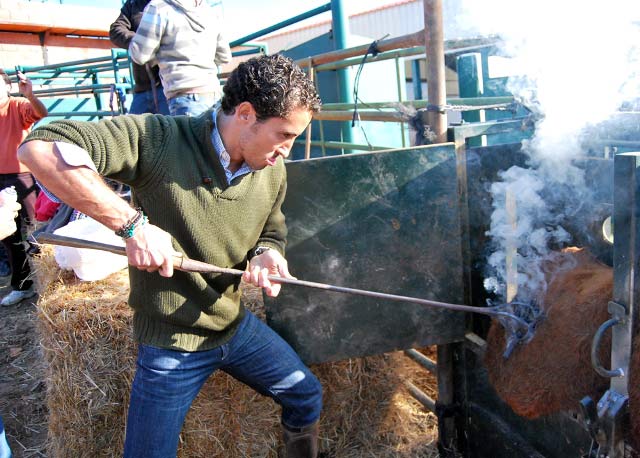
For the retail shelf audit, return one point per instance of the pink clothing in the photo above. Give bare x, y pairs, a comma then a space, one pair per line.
17, 116
45, 207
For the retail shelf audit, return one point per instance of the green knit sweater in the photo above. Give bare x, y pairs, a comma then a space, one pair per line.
177, 179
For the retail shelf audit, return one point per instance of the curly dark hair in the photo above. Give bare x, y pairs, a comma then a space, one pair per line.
274, 85
5, 77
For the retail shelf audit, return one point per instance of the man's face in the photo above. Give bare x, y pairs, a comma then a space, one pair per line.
262, 143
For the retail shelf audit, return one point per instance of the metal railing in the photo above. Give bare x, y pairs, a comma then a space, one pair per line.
397, 111
102, 84
89, 88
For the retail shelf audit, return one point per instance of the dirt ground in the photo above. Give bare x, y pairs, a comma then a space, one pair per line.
22, 389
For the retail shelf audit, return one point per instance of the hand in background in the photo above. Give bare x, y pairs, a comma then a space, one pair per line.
24, 85
8, 215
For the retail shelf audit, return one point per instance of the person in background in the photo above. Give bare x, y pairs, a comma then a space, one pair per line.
45, 208
17, 116
210, 187
5, 267
8, 214
184, 38
5, 450
148, 95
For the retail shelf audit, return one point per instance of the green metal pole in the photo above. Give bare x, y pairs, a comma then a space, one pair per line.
416, 79
340, 36
471, 84
96, 80
280, 25
399, 87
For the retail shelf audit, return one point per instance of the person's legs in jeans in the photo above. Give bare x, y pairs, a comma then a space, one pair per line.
5, 450
140, 103
5, 267
143, 102
163, 105
261, 359
166, 382
165, 385
191, 104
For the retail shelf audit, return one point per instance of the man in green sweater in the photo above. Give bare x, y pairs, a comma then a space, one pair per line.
210, 187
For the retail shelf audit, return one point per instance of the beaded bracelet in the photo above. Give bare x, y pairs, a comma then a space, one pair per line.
129, 228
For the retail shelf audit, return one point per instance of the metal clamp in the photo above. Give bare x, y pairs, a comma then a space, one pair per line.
618, 318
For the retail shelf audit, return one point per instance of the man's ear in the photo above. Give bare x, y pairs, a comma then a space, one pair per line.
245, 112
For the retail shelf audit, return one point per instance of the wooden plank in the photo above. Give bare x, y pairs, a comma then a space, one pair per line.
30, 27
77, 42
28, 39
33, 39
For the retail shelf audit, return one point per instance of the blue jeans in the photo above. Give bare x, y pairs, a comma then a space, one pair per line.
167, 382
5, 267
5, 451
143, 103
192, 104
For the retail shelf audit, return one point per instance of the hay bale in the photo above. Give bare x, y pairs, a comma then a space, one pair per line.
368, 412
553, 372
90, 354
85, 332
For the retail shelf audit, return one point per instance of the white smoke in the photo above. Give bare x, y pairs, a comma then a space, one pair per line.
576, 63
529, 238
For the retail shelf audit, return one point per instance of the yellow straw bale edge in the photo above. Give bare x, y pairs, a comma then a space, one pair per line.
85, 330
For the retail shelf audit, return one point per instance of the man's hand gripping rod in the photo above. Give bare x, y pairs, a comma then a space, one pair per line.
189, 265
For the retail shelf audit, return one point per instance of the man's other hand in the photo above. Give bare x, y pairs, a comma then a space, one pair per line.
270, 262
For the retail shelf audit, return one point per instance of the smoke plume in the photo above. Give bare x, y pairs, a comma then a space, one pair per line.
574, 64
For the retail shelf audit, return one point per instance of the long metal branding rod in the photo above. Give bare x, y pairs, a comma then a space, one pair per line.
190, 265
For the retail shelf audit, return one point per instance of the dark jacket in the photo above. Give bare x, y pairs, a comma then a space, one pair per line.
121, 33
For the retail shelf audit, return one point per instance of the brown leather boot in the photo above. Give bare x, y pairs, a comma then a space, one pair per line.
301, 442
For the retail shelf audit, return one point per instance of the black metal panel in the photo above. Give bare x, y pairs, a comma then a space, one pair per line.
385, 222
626, 231
626, 275
491, 428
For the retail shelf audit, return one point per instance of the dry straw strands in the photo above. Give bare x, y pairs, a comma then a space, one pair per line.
86, 338
90, 355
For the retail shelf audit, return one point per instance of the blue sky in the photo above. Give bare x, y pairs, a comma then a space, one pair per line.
254, 15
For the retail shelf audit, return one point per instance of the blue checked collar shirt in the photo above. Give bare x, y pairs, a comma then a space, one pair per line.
223, 155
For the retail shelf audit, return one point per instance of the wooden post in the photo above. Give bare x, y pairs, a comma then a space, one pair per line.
436, 117
511, 245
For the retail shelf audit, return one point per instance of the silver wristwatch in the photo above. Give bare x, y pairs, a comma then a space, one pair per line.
259, 250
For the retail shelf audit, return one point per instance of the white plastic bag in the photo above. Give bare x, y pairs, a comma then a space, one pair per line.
88, 264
